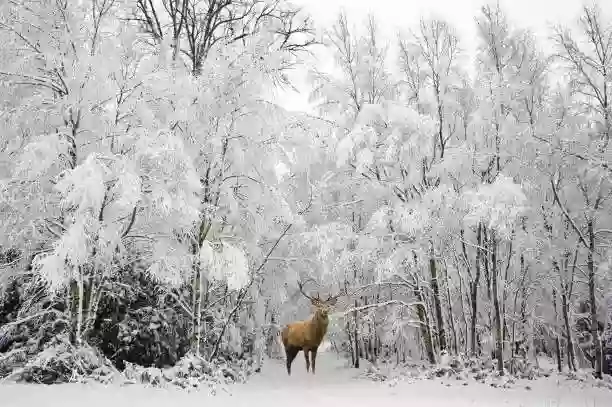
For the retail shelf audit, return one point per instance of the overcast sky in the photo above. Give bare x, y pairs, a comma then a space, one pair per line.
394, 14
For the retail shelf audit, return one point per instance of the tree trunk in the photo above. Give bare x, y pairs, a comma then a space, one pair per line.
195, 296
80, 306
464, 316
450, 314
347, 327
367, 335
496, 308
592, 300
566, 296
474, 291
377, 342
356, 336
571, 357
436, 298
485, 261
557, 341
425, 328
198, 315
520, 289
429, 311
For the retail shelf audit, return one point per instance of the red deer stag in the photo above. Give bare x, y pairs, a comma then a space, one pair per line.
307, 335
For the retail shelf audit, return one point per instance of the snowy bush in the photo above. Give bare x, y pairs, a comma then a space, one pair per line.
57, 362
192, 372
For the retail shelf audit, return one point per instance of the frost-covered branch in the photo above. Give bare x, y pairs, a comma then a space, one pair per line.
383, 304
567, 215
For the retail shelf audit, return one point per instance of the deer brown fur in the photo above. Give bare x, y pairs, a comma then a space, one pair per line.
307, 335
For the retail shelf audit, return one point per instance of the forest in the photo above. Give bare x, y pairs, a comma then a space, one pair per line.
160, 212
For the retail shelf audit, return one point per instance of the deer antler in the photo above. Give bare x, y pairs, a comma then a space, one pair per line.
330, 298
333, 298
301, 288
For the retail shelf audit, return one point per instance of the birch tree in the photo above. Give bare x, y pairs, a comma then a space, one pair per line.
582, 181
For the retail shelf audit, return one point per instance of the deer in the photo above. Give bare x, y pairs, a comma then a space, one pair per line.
308, 334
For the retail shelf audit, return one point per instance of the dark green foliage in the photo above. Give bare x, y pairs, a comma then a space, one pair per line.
10, 291
146, 338
10, 302
29, 341
132, 326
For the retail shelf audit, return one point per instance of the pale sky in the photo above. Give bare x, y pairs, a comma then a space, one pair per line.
395, 14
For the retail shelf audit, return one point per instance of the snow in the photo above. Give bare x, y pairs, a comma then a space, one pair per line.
333, 384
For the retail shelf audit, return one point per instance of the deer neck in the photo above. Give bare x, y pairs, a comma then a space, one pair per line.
319, 324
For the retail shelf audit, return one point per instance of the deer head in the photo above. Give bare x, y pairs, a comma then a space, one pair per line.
322, 306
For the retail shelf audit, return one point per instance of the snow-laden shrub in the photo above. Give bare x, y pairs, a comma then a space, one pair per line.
193, 372
57, 362
458, 369
584, 377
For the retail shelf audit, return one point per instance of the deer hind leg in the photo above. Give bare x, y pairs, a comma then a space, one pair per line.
291, 353
307, 360
313, 356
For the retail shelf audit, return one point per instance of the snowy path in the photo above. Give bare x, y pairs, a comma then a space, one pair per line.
333, 385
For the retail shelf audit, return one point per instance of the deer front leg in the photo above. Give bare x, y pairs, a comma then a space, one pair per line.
291, 354
307, 361
313, 355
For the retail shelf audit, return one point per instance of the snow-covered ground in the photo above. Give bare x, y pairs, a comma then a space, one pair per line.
334, 385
